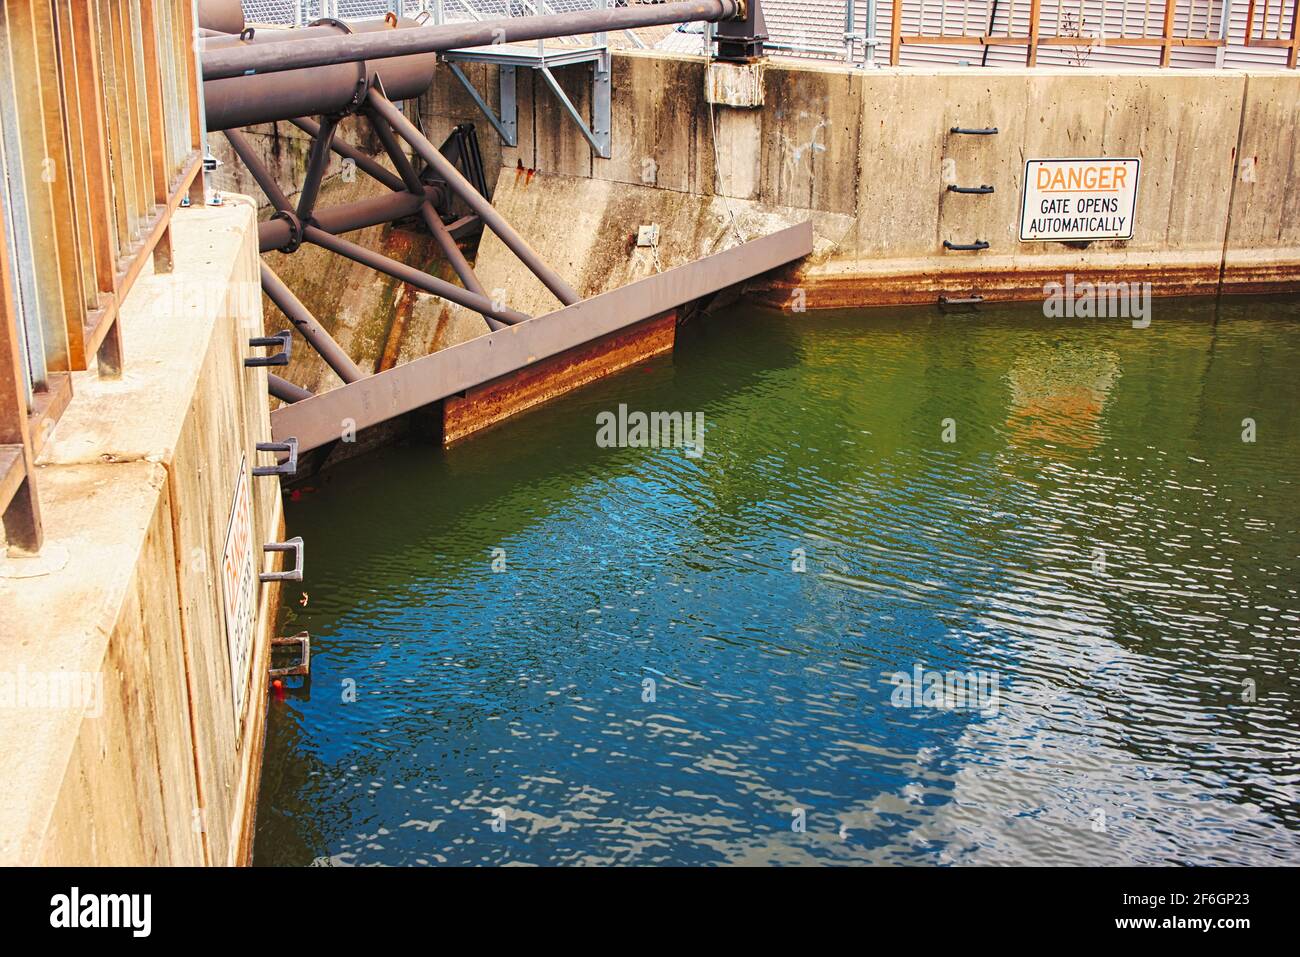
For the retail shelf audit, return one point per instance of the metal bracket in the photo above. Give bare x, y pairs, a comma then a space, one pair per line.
282, 339
288, 466
509, 59
292, 575
966, 247
507, 124
598, 133
977, 190
303, 667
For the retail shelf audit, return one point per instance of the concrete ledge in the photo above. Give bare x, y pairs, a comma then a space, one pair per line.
135, 483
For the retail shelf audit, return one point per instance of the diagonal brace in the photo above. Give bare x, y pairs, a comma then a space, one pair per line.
507, 124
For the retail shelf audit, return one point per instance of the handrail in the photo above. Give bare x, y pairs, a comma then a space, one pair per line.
102, 133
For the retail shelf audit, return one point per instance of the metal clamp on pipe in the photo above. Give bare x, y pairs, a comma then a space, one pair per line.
295, 229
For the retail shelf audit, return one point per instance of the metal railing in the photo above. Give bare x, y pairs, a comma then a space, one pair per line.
100, 133
1277, 31
1082, 33
1035, 24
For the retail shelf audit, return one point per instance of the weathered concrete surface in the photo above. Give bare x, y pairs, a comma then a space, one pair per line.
875, 148
587, 228
1263, 244
136, 484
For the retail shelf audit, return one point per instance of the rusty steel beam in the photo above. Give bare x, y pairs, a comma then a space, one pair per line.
405, 388
412, 276
473, 198
228, 61
311, 330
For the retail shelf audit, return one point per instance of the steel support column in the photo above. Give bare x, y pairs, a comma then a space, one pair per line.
317, 161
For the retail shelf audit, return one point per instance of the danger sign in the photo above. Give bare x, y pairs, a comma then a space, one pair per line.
239, 590
1079, 199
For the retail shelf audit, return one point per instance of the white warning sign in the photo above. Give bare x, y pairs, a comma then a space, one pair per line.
1079, 199
239, 590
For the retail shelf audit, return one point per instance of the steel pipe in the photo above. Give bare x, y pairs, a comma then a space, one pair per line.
401, 162
409, 274
284, 390
346, 217
451, 252
226, 62
249, 99
311, 330
223, 16
473, 198
318, 158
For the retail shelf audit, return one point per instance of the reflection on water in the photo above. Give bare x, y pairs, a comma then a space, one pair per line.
649, 680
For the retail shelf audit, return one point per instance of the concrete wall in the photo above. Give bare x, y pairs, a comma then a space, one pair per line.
136, 485
868, 156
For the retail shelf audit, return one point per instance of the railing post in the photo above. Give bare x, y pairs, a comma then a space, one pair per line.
1031, 53
848, 31
1295, 35
869, 32
1167, 48
19, 506
895, 31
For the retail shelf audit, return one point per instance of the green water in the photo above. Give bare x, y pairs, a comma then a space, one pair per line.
696, 659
